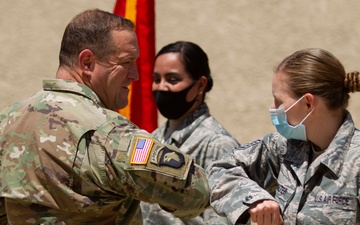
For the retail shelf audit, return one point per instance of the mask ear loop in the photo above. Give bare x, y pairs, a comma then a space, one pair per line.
295, 103
307, 116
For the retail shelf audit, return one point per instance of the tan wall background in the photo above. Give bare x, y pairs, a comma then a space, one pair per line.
244, 40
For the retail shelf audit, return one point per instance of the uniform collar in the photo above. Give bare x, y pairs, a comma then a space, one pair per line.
73, 87
188, 126
298, 153
334, 156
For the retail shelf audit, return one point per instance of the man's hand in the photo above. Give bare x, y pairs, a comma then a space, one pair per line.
265, 212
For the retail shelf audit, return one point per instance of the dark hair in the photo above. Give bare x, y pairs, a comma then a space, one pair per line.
91, 30
318, 72
195, 60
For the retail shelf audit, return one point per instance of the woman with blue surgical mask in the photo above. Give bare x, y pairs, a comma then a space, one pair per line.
279, 120
308, 171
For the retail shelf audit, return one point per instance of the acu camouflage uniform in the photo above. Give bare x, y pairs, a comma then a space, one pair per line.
65, 159
325, 191
202, 137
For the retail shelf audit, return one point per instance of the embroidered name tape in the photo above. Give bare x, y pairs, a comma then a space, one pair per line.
141, 151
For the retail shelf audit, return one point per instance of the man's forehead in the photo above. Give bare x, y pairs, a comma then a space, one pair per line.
126, 43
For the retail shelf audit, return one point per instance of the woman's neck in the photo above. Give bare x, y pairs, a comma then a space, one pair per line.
326, 129
172, 125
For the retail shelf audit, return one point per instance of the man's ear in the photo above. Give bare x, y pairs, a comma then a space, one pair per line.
86, 61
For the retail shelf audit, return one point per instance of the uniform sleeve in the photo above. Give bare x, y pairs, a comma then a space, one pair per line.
210, 217
219, 145
156, 173
243, 177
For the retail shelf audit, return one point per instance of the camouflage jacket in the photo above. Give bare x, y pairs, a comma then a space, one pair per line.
65, 159
325, 191
202, 137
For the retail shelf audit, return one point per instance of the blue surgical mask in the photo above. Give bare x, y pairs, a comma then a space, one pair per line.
279, 120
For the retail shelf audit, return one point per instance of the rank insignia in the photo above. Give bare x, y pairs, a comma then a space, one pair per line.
171, 158
242, 147
141, 150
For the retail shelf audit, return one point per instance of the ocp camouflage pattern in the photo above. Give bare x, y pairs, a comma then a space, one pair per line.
65, 159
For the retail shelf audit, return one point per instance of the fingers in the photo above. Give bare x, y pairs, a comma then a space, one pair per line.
280, 220
262, 220
265, 213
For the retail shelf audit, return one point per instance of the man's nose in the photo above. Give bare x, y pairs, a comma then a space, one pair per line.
134, 73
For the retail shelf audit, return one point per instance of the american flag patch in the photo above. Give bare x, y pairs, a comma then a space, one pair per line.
141, 151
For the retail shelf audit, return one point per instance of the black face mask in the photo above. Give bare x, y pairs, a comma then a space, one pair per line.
172, 105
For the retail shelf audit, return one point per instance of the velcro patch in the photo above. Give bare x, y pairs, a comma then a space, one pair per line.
141, 150
163, 163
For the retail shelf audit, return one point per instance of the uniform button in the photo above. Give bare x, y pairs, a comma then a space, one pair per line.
248, 198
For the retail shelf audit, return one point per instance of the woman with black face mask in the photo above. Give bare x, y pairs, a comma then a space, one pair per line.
181, 79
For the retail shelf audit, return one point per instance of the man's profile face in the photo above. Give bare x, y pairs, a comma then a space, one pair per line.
111, 79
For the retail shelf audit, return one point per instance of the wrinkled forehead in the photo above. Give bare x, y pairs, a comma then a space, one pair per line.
125, 44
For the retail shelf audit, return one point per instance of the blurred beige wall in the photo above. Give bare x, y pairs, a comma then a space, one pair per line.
244, 40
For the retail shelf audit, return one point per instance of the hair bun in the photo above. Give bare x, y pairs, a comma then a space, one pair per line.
352, 81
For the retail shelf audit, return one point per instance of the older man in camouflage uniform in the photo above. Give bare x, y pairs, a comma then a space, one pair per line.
69, 158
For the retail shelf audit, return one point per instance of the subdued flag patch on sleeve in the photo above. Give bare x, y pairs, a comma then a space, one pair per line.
141, 150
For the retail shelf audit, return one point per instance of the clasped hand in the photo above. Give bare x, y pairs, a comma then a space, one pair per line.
265, 212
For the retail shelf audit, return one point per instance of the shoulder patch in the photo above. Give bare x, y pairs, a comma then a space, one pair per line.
241, 147
141, 150
171, 158
148, 158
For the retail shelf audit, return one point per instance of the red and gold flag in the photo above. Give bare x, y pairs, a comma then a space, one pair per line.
141, 109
